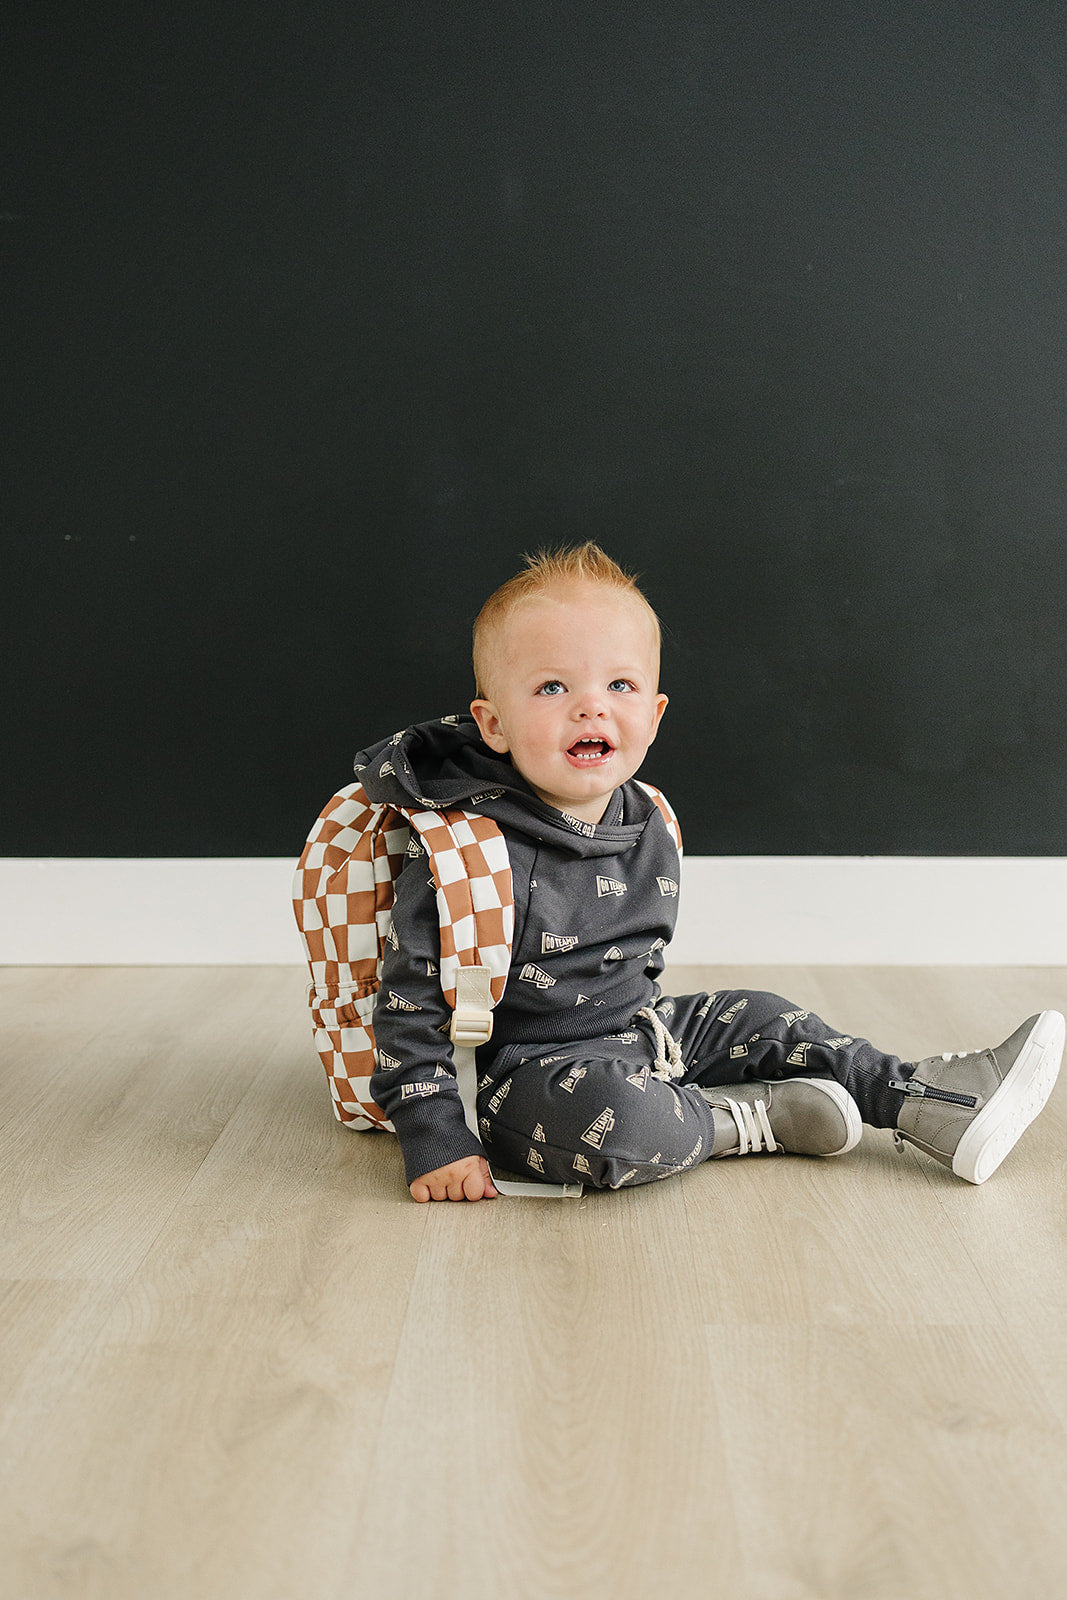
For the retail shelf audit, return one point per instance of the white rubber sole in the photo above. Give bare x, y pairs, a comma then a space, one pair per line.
1010, 1111
846, 1105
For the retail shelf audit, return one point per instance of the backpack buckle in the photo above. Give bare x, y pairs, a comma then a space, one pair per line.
471, 1027
472, 1020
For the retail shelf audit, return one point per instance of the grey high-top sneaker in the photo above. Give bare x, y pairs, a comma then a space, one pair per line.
967, 1110
801, 1116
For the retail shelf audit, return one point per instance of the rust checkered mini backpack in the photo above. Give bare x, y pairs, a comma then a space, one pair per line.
343, 898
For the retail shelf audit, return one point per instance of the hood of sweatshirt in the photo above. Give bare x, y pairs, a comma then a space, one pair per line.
445, 763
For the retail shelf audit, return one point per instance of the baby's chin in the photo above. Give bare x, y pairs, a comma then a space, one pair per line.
584, 801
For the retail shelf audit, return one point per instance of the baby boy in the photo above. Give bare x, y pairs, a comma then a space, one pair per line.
591, 1073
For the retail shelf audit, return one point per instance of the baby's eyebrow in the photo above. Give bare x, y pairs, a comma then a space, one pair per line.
537, 678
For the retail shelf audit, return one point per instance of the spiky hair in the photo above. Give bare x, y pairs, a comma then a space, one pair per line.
562, 568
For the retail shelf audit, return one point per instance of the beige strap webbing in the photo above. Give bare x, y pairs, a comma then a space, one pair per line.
472, 1025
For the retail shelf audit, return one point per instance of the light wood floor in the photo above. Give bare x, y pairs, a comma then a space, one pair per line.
236, 1361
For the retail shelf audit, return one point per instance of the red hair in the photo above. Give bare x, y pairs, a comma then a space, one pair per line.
564, 568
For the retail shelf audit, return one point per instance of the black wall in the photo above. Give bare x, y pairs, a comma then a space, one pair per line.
316, 316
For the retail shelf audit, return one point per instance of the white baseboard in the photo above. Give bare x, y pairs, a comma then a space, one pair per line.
874, 911
763, 910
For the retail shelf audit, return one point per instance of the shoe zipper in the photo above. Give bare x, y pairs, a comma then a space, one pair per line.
916, 1090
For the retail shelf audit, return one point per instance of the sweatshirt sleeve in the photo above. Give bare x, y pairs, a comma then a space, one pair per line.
414, 1081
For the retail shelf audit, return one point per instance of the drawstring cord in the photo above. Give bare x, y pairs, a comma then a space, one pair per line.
668, 1063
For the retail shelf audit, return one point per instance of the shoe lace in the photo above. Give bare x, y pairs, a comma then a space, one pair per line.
668, 1062
753, 1126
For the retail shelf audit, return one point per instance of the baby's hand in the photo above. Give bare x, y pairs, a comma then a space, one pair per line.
462, 1180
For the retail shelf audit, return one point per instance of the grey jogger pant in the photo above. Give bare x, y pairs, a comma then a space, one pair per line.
592, 1110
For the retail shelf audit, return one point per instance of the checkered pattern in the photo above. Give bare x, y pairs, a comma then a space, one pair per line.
343, 899
673, 826
471, 868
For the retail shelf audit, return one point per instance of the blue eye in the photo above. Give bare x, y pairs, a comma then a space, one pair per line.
553, 687
620, 683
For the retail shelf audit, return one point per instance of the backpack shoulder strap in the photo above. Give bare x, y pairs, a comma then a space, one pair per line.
343, 887
667, 812
469, 860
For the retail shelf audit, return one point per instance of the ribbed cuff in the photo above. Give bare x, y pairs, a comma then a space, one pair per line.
429, 1141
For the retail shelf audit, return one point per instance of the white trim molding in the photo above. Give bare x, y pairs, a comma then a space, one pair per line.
763, 910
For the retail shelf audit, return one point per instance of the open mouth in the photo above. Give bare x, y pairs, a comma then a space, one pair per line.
586, 752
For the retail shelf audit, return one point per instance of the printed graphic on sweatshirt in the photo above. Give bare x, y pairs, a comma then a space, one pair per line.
391, 937
418, 1091
582, 1165
387, 770
839, 1044
536, 975
733, 1011
588, 829
706, 1007
535, 1160
551, 942
442, 1071
415, 849
598, 1130
640, 1079
450, 721
624, 1038
572, 1080
614, 954
799, 1056
793, 1016
625, 1178
609, 886
431, 968
667, 887
486, 794
738, 1052
665, 1009
538, 1134
396, 1002
501, 1095
387, 1063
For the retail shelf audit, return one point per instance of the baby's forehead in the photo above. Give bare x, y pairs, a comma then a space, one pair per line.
574, 603
548, 623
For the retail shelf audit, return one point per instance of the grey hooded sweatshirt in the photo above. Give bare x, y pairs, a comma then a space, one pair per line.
594, 907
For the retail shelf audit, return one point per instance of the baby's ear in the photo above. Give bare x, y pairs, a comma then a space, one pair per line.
489, 726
